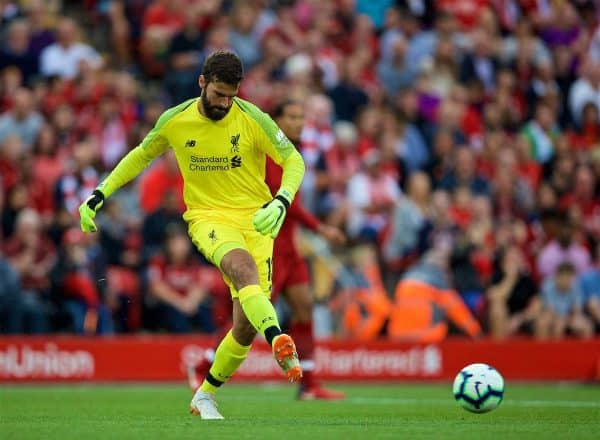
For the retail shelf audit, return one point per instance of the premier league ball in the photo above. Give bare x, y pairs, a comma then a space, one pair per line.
478, 388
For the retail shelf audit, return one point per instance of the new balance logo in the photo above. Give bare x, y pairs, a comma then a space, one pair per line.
190, 143
236, 161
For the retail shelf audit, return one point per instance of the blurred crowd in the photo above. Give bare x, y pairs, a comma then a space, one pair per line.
457, 143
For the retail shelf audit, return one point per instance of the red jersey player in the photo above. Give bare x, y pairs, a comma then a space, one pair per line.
290, 272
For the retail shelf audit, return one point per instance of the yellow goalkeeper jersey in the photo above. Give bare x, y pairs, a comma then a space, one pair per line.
222, 162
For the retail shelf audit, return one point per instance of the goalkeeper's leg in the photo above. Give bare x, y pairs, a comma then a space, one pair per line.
252, 313
233, 350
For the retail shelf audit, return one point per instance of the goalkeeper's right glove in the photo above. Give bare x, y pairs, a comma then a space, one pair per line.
88, 210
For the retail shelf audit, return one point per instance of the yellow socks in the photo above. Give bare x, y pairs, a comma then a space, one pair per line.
259, 311
229, 356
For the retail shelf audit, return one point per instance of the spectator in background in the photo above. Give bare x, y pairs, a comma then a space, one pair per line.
11, 153
185, 58
49, 160
512, 298
65, 57
511, 195
80, 179
110, 131
563, 306
371, 197
177, 281
523, 41
561, 170
519, 139
587, 133
121, 29
333, 170
589, 282
410, 222
585, 89
77, 280
393, 71
480, 64
542, 133
412, 146
154, 226
22, 121
164, 176
362, 301
543, 85
11, 300
425, 303
40, 14
440, 73
17, 51
348, 96
39, 195
583, 200
317, 138
467, 278
245, 33
162, 20
464, 174
562, 249
422, 45
32, 256
562, 27
123, 292
467, 12
114, 230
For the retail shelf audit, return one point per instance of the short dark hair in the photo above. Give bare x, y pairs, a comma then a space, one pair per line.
223, 66
566, 268
280, 107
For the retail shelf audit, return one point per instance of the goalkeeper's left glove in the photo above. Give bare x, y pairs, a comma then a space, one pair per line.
269, 219
88, 209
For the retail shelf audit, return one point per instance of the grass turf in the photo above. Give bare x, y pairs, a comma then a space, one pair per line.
269, 412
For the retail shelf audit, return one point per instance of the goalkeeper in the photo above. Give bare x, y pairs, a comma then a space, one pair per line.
221, 143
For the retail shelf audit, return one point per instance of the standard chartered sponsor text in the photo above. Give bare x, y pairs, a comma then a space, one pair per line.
209, 163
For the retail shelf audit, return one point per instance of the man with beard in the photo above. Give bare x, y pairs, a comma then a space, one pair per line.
221, 143
290, 271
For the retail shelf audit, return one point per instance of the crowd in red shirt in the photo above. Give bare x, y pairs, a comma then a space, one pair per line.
459, 129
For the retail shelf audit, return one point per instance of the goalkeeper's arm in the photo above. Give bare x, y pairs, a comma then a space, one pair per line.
127, 169
272, 141
134, 162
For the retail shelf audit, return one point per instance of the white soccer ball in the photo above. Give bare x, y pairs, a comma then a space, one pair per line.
478, 388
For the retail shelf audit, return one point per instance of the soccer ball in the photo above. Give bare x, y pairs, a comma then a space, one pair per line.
478, 388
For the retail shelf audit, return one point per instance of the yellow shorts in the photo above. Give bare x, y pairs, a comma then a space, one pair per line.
214, 240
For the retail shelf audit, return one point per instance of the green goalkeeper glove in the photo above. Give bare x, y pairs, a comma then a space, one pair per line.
269, 219
88, 210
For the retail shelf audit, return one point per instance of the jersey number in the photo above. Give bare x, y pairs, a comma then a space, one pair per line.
269, 268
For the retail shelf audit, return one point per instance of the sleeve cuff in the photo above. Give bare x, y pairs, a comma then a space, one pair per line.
285, 194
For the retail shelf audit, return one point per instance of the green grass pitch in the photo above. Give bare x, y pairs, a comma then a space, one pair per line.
269, 412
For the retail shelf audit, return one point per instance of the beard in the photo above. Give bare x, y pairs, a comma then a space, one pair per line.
213, 112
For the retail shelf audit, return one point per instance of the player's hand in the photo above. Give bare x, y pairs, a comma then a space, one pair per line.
88, 210
332, 234
269, 219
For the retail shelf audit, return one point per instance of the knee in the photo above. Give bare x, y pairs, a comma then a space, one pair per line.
239, 266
